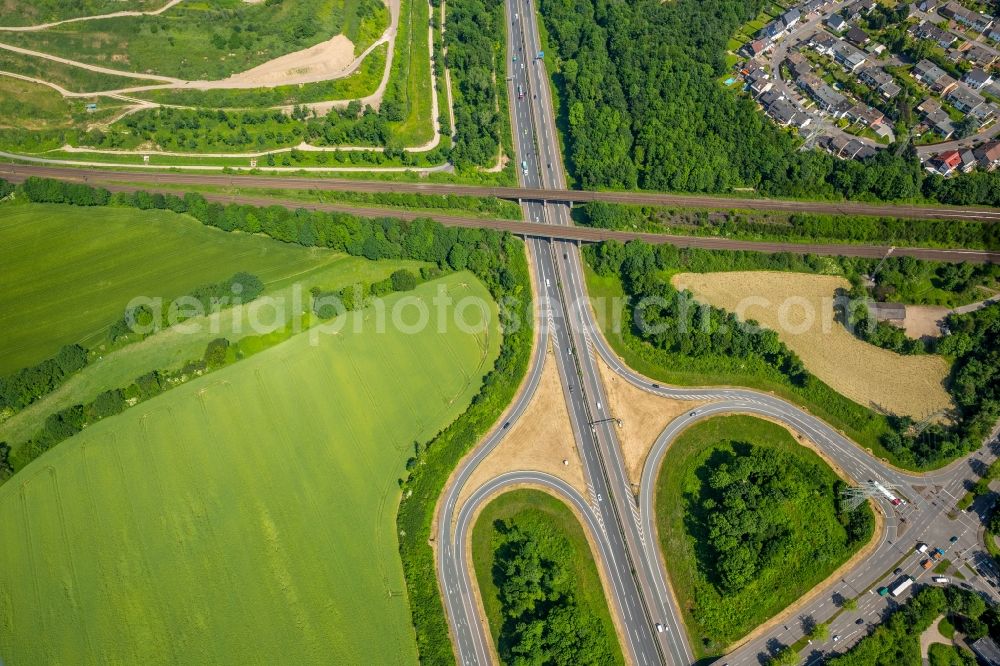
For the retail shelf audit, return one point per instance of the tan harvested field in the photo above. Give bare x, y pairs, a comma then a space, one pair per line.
540, 440
643, 416
799, 307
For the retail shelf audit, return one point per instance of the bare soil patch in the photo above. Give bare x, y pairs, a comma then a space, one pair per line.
643, 415
539, 441
924, 320
326, 60
799, 307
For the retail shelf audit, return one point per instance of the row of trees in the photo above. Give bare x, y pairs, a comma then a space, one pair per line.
67, 422
769, 226
141, 320
542, 621
29, 384
643, 108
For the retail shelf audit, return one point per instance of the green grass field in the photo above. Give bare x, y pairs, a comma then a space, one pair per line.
70, 271
194, 40
20, 12
533, 505
714, 618
245, 517
170, 350
32, 106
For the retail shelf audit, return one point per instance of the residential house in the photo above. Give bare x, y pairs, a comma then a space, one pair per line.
848, 57
975, 20
963, 98
756, 47
798, 64
866, 115
984, 113
836, 22
977, 54
927, 30
880, 80
945, 163
988, 155
822, 42
859, 150
790, 18
940, 123
826, 97
977, 78
883, 131
758, 81
857, 36
969, 161
994, 32
933, 77
811, 6
772, 32
859, 8
926, 5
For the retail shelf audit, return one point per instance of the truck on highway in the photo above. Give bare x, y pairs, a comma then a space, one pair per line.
921, 547
895, 501
901, 586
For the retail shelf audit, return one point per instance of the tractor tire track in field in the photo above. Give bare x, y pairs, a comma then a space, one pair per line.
74, 597
98, 518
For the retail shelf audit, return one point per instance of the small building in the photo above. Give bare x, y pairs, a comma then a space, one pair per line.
91, 107
926, 5
945, 163
836, 22
887, 311
969, 161
756, 47
825, 97
978, 55
927, 30
988, 155
976, 20
798, 64
822, 42
880, 80
866, 115
883, 131
933, 77
857, 36
848, 57
940, 123
963, 98
977, 78
790, 18
987, 650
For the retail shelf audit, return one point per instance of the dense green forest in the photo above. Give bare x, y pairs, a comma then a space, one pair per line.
543, 622
897, 640
669, 321
474, 39
642, 107
751, 225
747, 500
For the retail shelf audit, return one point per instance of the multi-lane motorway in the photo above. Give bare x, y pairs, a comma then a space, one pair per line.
622, 524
